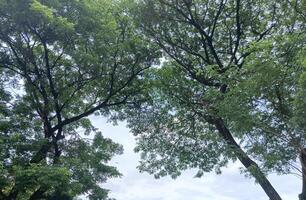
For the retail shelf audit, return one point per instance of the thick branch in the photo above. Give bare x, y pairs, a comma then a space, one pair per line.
252, 167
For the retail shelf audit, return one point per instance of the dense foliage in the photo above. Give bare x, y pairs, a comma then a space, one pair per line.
231, 87
230, 78
61, 61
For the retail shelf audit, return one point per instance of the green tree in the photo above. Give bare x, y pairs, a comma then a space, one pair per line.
269, 95
61, 61
189, 120
265, 105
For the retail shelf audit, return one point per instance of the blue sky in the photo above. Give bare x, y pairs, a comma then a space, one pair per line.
230, 185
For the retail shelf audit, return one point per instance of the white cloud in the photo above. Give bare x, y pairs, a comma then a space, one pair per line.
230, 185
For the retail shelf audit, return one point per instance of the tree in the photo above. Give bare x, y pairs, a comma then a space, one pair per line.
208, 45
61, 61
265, 103
268, 94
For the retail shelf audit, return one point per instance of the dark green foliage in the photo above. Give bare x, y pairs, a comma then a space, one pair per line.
61, 61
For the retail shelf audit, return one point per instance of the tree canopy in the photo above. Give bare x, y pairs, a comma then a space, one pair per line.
231, 87
232, 68
61, 61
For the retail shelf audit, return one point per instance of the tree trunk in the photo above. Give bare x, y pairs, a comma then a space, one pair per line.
302, 196
246, 160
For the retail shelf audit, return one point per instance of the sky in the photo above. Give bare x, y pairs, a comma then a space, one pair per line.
230, 185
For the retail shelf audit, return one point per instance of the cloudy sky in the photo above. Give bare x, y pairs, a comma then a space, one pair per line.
230, 185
